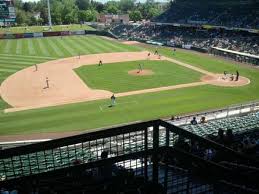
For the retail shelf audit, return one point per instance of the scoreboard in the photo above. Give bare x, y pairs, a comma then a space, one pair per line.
7, 12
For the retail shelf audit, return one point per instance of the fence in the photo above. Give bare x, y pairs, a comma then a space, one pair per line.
218, 113
56, 33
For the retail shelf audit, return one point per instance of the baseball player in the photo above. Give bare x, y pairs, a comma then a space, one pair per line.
139, 68
113, 98
47, 83
100, 62
237, 75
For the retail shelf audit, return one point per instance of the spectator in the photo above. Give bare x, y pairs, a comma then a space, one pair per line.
194, 121
203, 120
220, 137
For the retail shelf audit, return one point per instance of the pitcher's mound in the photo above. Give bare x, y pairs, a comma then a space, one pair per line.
137, 72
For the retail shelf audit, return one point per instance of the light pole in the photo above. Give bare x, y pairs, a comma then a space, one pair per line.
49, 16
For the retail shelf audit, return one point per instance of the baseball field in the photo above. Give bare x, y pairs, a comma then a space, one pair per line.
174, 84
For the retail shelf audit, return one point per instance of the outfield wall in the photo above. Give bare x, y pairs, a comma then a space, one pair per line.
56, 33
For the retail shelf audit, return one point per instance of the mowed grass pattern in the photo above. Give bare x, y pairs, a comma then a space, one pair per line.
114, 77
59, 47
23, 29
21, 53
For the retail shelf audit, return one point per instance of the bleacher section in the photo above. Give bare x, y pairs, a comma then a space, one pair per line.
197, 37
45, 160
231, 13
150, 153
238, 124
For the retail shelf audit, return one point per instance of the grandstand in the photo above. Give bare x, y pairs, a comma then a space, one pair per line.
154, 152
230, 13
203, 25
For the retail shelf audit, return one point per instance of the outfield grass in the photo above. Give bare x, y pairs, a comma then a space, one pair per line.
57, 47
114, 77
89, 115
20, 53
24, 29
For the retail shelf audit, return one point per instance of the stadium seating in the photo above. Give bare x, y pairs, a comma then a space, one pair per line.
238, 124
139, 151
67, 156
239, 14
244, 42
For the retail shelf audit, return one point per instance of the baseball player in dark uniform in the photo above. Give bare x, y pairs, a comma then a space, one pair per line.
113, 98
237, 76
100, 62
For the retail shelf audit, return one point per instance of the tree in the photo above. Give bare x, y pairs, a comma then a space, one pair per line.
27, 6
40, 21
83, 4
126, 5
44, 15
81, 15
87, 16
56, 10
18, 4
41, 7
91, 15
153, 12
21, 17
112, 7
99, 7
135, 15
72, 11
32, 20
150, 9
69, 13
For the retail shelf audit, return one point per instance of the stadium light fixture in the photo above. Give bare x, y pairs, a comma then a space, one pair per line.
49, 16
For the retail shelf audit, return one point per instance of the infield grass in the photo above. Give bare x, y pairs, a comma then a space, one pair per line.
114, 77
88, 115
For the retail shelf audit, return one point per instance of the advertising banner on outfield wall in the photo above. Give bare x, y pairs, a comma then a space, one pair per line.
65, 33
79, 32
45, 34
1, 36
37, 34
187, 46
9, 36
28, 35
19, 35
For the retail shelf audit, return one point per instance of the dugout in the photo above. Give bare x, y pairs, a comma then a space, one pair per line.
237, 56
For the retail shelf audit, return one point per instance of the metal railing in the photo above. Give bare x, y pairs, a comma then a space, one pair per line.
229, 111
150, 149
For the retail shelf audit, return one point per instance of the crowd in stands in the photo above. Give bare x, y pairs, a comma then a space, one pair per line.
196, 37
229, 13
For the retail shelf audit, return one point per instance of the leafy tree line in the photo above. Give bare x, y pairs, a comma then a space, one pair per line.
76, 11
